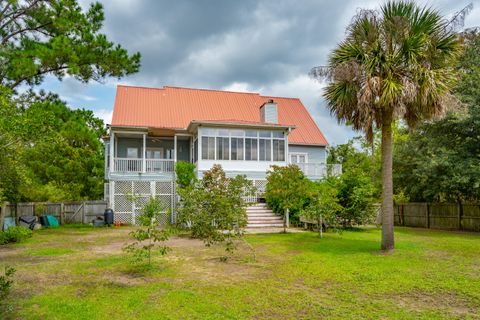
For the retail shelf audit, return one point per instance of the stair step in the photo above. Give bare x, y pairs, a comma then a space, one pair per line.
265, 219
256, 216
263, 214
265, 225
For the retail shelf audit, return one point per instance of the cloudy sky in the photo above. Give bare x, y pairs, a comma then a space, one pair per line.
257, 46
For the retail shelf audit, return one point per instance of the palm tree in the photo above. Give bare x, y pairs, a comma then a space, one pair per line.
395, 63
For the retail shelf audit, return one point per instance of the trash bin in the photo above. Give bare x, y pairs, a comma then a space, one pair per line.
44, 221
108, 216
27, 221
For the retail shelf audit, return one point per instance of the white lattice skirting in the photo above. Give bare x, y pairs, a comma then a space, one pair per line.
127, 199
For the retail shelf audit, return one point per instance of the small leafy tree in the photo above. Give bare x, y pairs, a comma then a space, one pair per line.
287, 188
185, 172
6, 282
149, 231
324, 205
213, 209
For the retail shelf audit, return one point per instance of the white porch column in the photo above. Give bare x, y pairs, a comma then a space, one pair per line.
191, 149
111, 196
112, 153
175, 148
144, 149
287, 157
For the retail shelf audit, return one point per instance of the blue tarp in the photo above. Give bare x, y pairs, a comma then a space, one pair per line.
52, 221
8, 222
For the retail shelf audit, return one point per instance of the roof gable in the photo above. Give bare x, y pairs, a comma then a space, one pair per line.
173, 107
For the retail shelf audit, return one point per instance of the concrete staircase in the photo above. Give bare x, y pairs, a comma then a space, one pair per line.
260, 216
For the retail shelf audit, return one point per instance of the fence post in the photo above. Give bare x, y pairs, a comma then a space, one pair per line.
3, 213
63, 217
83, 212
460, 215
428, 215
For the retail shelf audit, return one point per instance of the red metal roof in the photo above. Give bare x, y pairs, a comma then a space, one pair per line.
173, 107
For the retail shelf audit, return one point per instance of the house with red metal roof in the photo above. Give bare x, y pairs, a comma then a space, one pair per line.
246, 133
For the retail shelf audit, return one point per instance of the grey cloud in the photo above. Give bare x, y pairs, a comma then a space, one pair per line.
264, 45
217, 42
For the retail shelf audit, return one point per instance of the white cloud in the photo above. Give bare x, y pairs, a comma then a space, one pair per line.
104, 114
85, 97
238, 87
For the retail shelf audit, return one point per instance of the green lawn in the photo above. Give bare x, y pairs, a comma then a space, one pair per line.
83, 274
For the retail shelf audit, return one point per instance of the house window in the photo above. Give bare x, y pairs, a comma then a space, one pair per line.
251, 149
238, 144
265, 149
251, 133
237, 148
154, 153
169, 153
265, 134
208, 148
222, 148
278, 134
298, 157
132, 153
278, 150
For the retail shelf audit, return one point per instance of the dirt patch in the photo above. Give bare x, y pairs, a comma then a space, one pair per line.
9, 251
446, 301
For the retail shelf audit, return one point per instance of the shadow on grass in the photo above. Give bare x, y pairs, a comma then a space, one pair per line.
331, 243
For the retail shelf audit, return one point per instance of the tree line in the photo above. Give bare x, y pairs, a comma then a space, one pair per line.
49, 151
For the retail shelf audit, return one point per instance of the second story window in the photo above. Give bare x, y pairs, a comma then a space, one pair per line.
265, 149
278, 150
208, 148
237, 148
222, 148
248, 145
251, 149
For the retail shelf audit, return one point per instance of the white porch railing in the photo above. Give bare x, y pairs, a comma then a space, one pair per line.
160, 165
136, 165
320, 169
127, 165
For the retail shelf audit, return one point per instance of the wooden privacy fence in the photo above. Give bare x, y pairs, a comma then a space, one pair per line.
65, 212
451, 216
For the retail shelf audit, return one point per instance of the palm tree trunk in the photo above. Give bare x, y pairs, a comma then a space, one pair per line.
387, 183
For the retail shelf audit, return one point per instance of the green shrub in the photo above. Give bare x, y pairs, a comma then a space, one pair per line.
185, 172
287, 188
323, 206
15, 234
356, 196
6, 282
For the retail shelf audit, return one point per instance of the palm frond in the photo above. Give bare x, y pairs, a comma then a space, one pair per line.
457, 22
398, 59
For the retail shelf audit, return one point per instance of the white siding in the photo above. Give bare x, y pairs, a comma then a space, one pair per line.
316, 154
